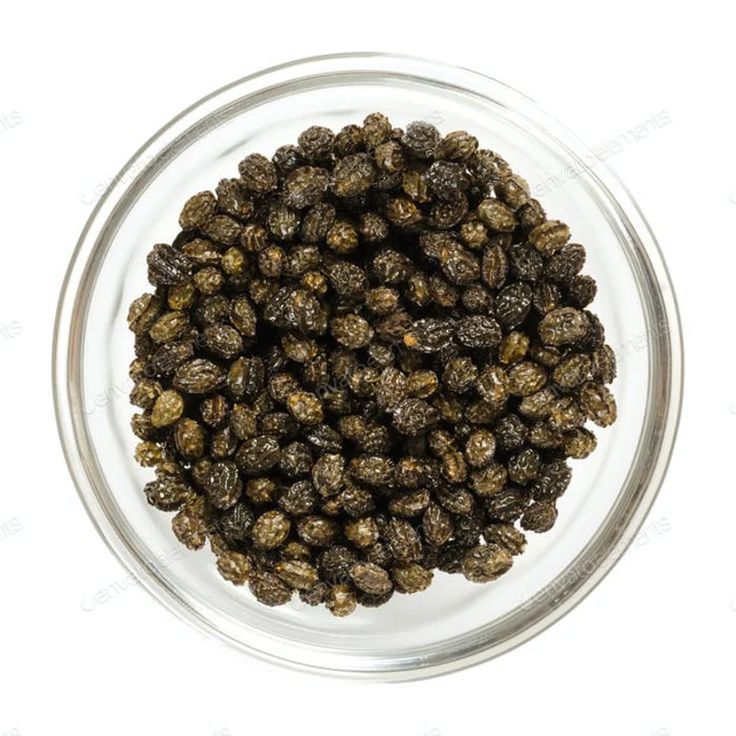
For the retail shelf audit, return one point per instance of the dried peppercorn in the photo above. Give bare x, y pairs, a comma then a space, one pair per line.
315, 595
579, 443
269, 589
455, 499
506, 536
328, 474
414, 416
259, 175
478, 331
169, 326
540, 516
421, 384
457, 146
317, 531
421, 139
497, 216
222, 341
571, 372
430, 335
305, 187
370, 578
236, 523
167, 408
298, 499
234, 567
341, 600
373, 470
334, 563
437, 525
270, 529
257, 454
460, 374
376, 129
198, 376
489, 480
362, 532
197, 210
411, 577
349, 140
513, 191
485, 563
403, 213
352, 331
526, 378
495, 266
493, 385
412, 503
189, 525
167, 266
297, 574
316, 143
563, 326
513, 348
305, 407
242, 316
549, 237
477, 299
167, 494
364, 359
480, 448
403, 540
354, 174
513, 304
222, 484
189, 438
233, 199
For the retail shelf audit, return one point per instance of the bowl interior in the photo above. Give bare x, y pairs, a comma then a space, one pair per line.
453, 617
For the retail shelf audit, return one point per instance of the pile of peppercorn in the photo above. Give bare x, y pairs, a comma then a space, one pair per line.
365, 359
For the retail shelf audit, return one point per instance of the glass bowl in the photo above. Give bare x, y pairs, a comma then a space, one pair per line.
455, 623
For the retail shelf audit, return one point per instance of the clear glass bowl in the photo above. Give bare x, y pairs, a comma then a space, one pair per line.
454, 623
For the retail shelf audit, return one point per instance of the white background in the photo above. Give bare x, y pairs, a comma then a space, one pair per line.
83, 650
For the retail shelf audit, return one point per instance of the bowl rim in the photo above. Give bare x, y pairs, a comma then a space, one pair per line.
665, 354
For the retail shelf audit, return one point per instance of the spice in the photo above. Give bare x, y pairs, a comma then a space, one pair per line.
364, 359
